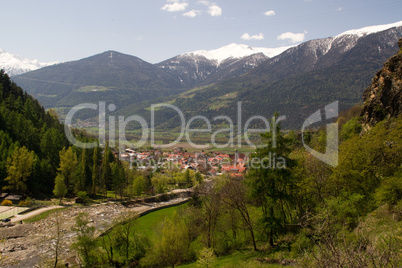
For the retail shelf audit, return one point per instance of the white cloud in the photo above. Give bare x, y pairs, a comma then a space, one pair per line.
247, 36
269, 13
204, 2
339, 9
175, 6
292, 37
214, 11
192, 13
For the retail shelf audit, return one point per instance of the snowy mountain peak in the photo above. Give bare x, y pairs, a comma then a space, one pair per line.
371, 29
347, 40
236, 51
15, 65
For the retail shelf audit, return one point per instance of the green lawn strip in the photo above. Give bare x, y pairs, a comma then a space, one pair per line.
246, 259
92, 89
148, 224
43, 215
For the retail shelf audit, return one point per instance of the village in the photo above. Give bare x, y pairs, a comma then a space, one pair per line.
207, 163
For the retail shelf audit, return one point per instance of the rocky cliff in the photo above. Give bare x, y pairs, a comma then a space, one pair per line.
383, 98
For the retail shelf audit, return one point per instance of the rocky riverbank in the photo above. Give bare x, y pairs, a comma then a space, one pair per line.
32, 244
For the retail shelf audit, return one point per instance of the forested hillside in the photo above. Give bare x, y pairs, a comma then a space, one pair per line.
30, 141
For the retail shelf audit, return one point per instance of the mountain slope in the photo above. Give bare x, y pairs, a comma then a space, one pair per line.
300, 80
15, 65
383, 98
123, 79
110, 76
204, 67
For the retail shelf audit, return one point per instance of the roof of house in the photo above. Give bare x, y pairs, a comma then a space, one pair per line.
14, 197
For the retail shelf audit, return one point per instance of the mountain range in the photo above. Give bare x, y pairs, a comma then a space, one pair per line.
15, 65
300, 80
124, 79
294, 81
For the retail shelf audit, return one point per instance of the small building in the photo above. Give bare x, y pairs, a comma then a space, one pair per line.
14, 198
3, 196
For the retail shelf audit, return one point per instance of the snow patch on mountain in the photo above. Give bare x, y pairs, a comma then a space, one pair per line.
346, 40
15, 65
236, 51
370, 29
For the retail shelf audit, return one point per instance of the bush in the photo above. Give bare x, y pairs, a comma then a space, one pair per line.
6, 202
25, 203
82, 197
301, 244
206, 257
390, 191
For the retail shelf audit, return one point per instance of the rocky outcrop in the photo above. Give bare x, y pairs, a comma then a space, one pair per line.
383, 98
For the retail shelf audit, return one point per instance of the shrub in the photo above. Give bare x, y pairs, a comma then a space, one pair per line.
301, 244
25, 203
6, 202
82, 196
390, 191
206, 257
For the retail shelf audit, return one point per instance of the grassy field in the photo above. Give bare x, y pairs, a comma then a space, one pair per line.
244, 259
43, 215
168, 139
92, 89
148, 224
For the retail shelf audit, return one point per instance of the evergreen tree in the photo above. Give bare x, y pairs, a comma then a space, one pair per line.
50, 145
95, 170
270, 182
81, 181
187, 178
198, 177
106, 172
118, 178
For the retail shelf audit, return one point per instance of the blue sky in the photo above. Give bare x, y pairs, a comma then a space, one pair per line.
155, 30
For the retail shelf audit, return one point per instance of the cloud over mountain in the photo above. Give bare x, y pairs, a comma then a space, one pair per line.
292, 37
247, 36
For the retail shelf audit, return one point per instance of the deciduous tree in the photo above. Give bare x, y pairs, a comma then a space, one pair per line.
68, 168
85, 240
19, 168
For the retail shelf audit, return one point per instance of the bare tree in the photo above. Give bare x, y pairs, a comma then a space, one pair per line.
234, 194
211, 210
58, 237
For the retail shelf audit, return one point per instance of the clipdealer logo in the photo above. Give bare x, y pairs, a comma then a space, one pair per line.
331, 153
148, 133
